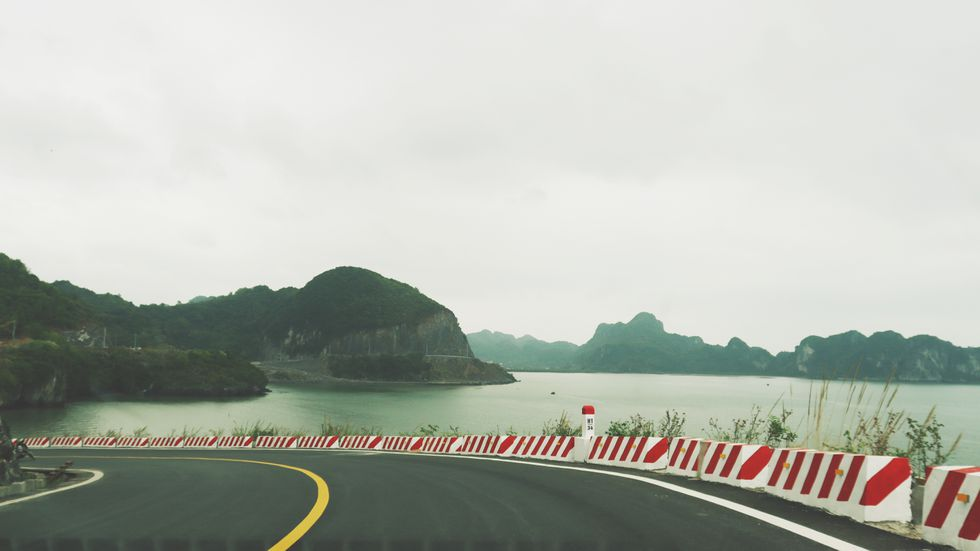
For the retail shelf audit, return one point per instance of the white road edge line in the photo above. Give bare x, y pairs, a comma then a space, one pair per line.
96, 476
788, 525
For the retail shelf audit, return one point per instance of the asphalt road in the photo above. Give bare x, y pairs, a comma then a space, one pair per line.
393, 502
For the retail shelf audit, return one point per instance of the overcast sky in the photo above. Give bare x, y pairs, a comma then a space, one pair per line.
763, 169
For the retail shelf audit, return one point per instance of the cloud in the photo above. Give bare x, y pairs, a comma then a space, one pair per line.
763, 169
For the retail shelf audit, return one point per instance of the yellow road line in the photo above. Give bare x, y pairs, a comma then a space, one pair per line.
320, 505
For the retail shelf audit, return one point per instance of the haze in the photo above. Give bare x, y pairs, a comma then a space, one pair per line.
762, 169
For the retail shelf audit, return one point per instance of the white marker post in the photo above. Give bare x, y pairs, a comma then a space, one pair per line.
588, 422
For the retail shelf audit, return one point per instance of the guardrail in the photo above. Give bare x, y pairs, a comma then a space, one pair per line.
863, 487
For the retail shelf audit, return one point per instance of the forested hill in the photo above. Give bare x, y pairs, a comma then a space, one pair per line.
29, 306
882, 355
357, 323
643, 346
342, 311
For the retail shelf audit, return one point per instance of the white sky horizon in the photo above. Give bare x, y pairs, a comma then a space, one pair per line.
766, 170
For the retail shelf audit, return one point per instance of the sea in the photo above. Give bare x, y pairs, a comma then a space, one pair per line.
525, 406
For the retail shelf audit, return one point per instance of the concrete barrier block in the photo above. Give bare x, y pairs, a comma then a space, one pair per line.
66, 442
784, 473
362, 442
317, 442
166, 442
634, 452
276, 442
951, 507
742, 465
99, 442
235, 442
551, 448
686, 455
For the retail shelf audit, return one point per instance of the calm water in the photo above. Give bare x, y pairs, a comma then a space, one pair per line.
523, 406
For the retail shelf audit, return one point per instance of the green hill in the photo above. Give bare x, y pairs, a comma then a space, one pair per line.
883, 355
346, 301
31, 308
347, 322
644, 346
524, 353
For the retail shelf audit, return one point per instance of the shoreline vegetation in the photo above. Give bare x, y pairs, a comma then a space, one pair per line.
410, 369
47, 373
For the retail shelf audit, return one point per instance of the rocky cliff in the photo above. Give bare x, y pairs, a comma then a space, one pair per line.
436, 334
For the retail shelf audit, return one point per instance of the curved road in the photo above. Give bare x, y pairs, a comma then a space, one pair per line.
165, 500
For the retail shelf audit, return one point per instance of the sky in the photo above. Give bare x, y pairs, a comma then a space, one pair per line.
767, 170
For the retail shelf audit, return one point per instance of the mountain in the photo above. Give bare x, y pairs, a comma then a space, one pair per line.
356, 311
883, 355
360, 325
348, 322
524, 353
643, 346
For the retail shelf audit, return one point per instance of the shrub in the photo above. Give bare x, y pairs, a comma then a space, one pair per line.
769, 429
671, 425
560, 427
926, 443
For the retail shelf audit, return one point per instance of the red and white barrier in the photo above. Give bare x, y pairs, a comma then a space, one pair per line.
742, 465
167, 442
99, 442
276, 442
36, 441
399, 443
479, 445
685, 456
784, 473
235, 442
133, 442
317, 442
66, 442
552, 448
951, 507
200, 441
360, 442
864, 487
439, 444
643, 452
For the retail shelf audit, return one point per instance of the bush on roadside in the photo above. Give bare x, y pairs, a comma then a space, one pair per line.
671, 425
771, 430
560, 427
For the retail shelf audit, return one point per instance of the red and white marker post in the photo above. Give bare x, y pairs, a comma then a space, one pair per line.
588, 422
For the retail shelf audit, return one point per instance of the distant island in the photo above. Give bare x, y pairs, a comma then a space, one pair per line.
60, 342
643, 346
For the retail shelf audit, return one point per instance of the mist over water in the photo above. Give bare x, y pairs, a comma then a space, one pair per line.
524, 406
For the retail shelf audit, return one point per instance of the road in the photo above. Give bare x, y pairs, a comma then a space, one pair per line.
393, 502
